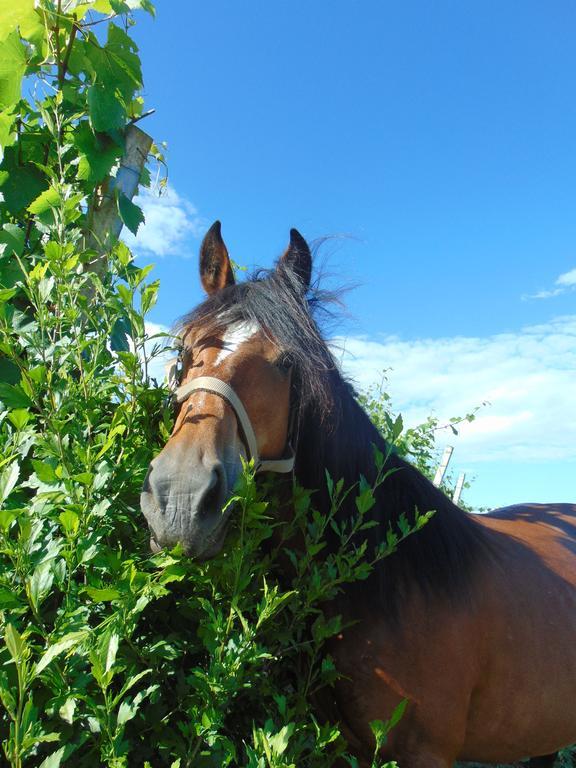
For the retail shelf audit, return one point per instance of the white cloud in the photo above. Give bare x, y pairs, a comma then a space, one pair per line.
564, 282
528, 378
171, 222
568, 278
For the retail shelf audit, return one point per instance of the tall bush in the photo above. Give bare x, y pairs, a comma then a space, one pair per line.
110, 656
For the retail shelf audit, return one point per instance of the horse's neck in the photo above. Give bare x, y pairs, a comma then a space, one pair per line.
440, 559
343, 445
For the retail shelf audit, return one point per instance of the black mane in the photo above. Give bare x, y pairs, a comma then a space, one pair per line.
441, 557
335, 434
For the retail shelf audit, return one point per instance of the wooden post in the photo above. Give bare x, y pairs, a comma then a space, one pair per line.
441, 471
104, 223
459, 486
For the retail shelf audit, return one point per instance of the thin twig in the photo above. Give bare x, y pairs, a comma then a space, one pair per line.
141, 117
62, 71
99, 21
56, 31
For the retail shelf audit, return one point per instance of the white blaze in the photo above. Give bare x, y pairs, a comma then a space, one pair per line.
235, 335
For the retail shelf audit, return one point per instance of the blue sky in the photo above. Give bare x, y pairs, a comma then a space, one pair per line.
437, 142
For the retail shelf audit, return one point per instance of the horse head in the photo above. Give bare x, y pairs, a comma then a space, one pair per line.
233, 397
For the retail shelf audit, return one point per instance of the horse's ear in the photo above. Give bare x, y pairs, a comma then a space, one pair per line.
215, 268
298, 259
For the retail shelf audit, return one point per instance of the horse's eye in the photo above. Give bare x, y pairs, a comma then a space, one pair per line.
284, 362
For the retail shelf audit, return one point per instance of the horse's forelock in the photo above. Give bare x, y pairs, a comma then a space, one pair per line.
274, 300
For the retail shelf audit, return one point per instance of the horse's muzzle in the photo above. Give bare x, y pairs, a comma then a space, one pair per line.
186, 507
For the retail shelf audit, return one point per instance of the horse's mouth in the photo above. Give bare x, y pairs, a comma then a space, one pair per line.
212, 544
214, 540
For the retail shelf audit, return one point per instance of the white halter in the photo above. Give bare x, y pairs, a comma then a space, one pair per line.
225, 391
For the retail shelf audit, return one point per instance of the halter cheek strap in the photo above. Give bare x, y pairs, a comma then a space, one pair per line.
225, 391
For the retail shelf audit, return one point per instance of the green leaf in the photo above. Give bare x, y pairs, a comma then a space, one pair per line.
12, 68
103, 595
131, 682
10, 374
8, 599
8, 479
126, 711
279, 741
6, 695
102, 6
97, 154
398, 714
40, 583
71, 640
111, 651
126, 295
119, 6
7, 132
378, 728
397, 427
329, 483
45, 287
45, 471
381, 729
20, 183
7, 517
20, 15
131, 214
124, 53
13, 237
115, 432
107, 113
94, 725
119, 340
19, 418
13, 396
86, 478
149, 296
54, 760
47, 200
14, 642
123, 6
67, 710
365, 501
70, 521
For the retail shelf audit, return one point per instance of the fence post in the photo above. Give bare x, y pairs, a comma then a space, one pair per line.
104, 222
459, 486
443, 466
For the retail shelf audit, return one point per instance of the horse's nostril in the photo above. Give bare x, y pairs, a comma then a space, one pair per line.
146, 485
210, 500
213, 494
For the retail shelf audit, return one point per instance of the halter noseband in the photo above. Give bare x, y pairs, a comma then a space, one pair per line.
225, 391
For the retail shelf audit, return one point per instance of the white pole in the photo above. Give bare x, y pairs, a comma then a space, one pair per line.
441, 471
104, 223
459, 486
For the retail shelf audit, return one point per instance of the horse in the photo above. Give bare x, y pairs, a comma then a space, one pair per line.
472, 620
